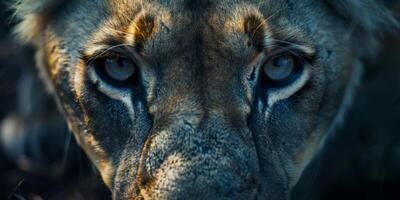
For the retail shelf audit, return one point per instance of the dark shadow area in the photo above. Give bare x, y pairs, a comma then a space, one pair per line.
69, 176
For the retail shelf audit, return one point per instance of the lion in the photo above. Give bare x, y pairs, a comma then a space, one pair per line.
202, 99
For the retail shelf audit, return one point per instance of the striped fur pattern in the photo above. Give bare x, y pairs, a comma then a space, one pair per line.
199, 125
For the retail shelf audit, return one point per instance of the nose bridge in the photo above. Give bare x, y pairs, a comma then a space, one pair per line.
199, 143
189, 113
199, 89
198, 96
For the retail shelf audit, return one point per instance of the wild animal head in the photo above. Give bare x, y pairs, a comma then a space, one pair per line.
201, 99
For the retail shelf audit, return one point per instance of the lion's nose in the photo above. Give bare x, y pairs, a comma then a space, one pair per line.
183, 176
215, 160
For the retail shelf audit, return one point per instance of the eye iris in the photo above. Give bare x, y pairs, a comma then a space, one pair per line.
280, 68
120, 69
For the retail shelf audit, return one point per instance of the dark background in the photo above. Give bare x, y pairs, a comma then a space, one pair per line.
362, 161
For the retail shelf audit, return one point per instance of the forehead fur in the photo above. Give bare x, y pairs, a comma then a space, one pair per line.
367, 18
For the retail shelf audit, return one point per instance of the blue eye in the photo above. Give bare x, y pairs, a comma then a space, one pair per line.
281, 69
118, 70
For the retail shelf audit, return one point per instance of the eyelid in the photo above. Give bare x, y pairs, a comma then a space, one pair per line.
304, 52
109, 52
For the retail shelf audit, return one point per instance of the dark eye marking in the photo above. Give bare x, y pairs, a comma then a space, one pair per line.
144, 28
254, 27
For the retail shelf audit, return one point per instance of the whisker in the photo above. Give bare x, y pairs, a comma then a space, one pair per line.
286, 49
67, 145
123, 32
286, 42
10, 196
107, 50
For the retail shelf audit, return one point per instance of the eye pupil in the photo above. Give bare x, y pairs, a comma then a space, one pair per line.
122, 62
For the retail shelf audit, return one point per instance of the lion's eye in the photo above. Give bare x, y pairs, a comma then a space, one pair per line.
118, 70
281, 69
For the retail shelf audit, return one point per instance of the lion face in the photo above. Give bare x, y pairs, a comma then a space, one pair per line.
197, 99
